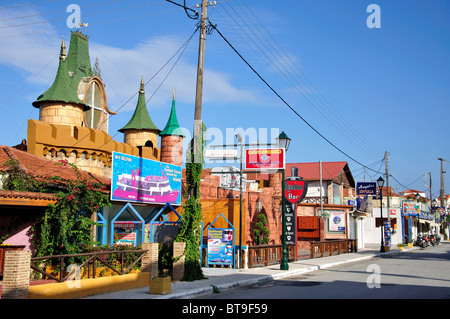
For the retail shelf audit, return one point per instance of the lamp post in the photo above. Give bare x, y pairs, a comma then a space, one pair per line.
418, 214
283, 142
380, 183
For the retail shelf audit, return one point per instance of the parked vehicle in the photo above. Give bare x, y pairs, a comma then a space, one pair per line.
435, 239
421, 241
431, 239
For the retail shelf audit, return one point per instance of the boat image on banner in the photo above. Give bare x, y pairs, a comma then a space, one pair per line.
145, 181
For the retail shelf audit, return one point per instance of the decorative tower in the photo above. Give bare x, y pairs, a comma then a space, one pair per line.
172, 139
60, 104
140, 131
76, 97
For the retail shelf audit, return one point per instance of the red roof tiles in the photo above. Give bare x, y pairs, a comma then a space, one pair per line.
41, 168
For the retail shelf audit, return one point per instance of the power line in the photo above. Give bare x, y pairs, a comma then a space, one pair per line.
287, 104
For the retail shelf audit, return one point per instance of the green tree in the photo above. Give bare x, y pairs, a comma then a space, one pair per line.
261, 232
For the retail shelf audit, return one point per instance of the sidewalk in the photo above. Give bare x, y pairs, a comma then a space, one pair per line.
224, 278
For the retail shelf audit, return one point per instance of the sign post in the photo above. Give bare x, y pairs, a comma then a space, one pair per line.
295, 190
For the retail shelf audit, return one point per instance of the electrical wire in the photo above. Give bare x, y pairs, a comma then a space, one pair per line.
287, 104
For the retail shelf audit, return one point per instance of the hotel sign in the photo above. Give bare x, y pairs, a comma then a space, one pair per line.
261, 159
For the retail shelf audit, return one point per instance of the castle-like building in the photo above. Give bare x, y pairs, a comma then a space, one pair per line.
74, 116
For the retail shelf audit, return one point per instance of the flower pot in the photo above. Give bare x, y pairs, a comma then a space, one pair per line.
161, 286
387, 249
401, 247
410, 245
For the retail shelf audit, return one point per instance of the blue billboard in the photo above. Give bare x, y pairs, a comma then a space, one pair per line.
137, 179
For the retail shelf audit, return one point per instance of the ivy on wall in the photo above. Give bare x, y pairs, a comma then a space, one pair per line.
190, 230
66, 225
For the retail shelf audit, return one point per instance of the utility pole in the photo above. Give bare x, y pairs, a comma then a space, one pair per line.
199, 90
442, 181
387, 184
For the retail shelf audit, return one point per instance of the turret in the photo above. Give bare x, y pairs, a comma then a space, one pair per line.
172, 139
140, 131
76, 97
60, 104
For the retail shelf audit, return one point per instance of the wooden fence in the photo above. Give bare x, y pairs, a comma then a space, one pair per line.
332, 247
92, 260
268, 254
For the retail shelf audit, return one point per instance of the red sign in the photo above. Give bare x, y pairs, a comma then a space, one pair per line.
268, 158
295, 190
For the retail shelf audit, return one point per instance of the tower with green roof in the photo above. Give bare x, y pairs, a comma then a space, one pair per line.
140, 131
76, 97
172, 138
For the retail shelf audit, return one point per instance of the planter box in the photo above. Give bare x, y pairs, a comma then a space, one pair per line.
161, 286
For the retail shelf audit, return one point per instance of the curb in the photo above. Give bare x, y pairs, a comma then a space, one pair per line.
266, 278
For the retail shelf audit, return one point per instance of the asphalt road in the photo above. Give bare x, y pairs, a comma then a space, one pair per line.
419, 274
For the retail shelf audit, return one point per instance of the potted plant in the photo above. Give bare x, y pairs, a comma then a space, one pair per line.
410, 243
401, 246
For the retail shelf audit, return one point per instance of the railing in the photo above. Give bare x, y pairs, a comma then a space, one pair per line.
92, 259
332, 247
268, 254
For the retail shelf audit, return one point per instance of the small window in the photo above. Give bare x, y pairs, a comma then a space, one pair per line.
149, 144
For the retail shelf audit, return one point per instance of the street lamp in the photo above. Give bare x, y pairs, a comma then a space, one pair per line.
380, 183
283, 142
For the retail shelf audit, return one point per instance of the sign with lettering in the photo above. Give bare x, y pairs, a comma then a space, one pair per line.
295, 190
137, 179
220, 246
366, 188
291, 224
268, 158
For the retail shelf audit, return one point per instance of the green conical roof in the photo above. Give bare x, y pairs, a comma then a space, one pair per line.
172, 126
78, 59
141, 119
70, 71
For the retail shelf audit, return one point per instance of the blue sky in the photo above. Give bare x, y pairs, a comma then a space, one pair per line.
366, 90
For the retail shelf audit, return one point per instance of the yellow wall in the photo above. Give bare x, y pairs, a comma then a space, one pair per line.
91, 150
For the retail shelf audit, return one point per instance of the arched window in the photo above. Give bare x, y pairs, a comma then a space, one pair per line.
96, 117
149, 144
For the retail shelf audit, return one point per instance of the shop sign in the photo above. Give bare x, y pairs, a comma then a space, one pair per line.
269, 158
366, 188
291, 224
411, 209
295, 190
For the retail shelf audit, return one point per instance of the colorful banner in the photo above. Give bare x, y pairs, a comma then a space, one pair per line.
125, 233
269, 158
220, 246
411, 209
137, 179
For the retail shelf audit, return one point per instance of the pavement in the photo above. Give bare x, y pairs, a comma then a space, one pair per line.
226, 278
